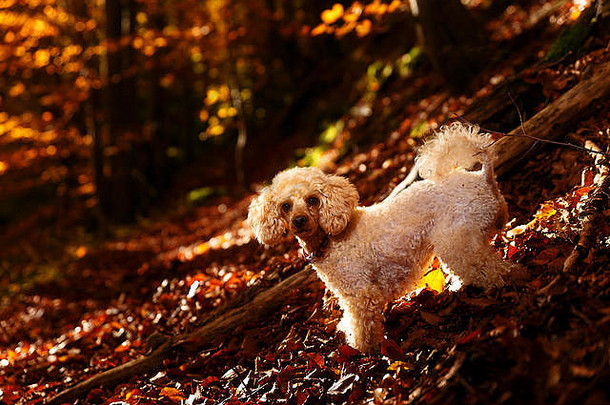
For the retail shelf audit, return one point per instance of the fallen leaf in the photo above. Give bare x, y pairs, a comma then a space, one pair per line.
470, 337
398, 365
431, 318
391, 349
173, 394
434, 280
546, 256
343, 386
316, 359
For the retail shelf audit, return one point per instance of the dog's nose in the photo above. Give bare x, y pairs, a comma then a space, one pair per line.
299, 221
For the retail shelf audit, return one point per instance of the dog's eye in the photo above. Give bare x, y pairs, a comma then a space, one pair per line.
313, 201
286, 207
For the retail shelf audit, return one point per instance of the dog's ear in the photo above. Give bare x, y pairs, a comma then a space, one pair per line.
340, 197
264, 219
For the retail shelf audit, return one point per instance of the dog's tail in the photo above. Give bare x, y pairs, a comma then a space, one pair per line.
456, 145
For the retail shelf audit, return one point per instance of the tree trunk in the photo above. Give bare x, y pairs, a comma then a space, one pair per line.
128, 92
113, 153
453, 40
158, 117
112, 71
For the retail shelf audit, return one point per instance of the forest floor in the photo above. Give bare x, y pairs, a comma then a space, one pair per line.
543, 338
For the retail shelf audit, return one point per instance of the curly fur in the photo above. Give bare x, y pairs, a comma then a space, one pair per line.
341, 197
368, 256
265, 221
454, 146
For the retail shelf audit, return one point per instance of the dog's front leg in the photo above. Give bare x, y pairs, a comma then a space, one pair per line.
362, 323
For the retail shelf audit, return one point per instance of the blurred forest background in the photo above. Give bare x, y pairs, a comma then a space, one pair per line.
134, 132
104, 102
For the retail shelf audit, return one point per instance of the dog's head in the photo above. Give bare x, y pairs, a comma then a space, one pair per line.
304, 202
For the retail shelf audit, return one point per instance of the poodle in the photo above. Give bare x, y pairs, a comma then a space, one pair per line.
368, 256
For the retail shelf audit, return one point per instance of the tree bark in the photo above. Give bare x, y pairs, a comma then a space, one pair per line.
116, 185
452, 39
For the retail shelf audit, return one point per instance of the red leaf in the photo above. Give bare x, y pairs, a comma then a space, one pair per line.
583, 191
123, 347
391, 349
302, 397
209, 380
546, 256
316, 359
470, 337
348, 351
511, 251
356, 394
286, 374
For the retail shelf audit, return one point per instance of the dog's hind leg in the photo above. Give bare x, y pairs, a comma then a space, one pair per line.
468, 254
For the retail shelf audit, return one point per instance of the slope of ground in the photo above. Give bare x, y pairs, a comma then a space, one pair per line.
541, 339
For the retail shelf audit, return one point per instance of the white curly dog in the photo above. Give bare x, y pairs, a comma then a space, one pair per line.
368, 256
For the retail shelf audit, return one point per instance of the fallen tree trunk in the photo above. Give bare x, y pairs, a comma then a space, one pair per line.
555, 119
220, 323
